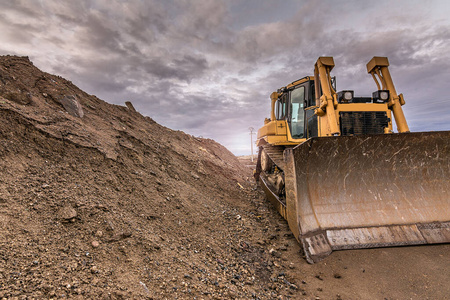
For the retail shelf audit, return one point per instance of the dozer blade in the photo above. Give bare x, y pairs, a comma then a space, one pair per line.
369, 191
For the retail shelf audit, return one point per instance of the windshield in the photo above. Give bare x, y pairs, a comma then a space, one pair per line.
297, 113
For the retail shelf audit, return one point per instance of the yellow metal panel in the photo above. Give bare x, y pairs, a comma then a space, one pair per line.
377, 61
324, 128
362, 107
305, 79
275, 133
268, 129
277, 140
327, 61
322, 70
281, 127
379, 66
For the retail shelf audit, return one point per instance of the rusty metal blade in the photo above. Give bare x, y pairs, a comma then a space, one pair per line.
369, 191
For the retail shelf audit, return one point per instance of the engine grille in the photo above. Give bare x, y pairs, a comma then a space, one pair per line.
366, 122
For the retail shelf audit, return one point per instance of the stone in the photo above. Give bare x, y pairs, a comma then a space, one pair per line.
130, 106
67, 213
275, 253
72, 106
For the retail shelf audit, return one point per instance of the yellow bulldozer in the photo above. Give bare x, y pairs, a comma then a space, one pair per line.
333, 167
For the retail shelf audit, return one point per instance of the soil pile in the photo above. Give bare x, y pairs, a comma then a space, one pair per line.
97, 200
100, 202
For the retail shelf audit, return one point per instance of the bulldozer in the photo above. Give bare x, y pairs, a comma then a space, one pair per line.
334, 168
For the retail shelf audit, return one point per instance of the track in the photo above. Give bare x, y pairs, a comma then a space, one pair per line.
276, 155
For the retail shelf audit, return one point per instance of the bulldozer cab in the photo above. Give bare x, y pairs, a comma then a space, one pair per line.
291, 105
296, 106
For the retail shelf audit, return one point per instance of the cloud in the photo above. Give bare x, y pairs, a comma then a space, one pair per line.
208, 66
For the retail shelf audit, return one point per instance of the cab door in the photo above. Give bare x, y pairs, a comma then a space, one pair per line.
296, 115
281, 114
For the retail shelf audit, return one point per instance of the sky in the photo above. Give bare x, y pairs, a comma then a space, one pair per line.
208, 67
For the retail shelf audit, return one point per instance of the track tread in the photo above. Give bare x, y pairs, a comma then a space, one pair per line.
276, 155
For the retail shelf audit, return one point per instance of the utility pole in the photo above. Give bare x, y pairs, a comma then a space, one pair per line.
251, 139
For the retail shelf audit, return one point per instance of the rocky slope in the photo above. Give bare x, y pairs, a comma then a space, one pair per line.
97, 200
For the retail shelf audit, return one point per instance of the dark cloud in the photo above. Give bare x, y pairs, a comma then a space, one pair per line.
184, 68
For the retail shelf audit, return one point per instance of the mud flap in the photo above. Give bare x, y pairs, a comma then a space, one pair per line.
369, 191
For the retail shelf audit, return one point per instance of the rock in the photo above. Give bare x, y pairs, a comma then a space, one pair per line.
275, 253
67, 213
130, 106
72, 106
95, 244
109, 225
120, 236
99, 233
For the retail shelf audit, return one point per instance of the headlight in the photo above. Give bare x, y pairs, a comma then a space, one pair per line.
345, 96
380, 96
348, 96
384, 95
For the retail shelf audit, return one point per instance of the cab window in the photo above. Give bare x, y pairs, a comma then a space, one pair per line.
280, 107
297, 120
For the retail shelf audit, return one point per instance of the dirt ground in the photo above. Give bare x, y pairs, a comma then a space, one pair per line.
100, 202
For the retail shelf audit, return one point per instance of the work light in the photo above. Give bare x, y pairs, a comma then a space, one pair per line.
345, 96
380, 96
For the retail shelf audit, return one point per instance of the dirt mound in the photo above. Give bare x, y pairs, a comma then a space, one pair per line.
97, 200
100, 202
